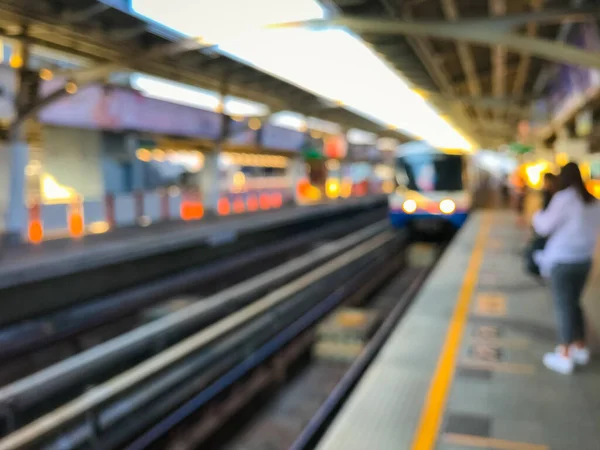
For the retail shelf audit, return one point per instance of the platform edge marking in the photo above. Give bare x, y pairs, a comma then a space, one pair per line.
430, 419
485, 442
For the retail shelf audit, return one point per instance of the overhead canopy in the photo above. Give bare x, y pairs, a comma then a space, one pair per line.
108, 38
482, 63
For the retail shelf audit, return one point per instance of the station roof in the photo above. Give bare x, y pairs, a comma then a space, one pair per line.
109, 39
484, 89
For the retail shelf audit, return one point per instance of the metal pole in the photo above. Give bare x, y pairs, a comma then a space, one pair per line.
210, 174
16, 214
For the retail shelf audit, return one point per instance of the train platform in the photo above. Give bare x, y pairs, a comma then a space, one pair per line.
27, 263
463, 367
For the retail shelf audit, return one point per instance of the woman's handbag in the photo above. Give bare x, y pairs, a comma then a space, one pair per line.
536, 243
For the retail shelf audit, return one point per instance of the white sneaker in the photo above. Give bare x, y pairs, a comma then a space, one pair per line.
580, 356
559, 363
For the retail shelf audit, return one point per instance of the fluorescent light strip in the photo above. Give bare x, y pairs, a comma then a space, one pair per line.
332, 63
195, 97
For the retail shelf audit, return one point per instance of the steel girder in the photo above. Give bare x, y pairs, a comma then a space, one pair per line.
468, 31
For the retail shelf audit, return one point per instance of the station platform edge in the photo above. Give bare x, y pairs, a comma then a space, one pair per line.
31, 263
463, 368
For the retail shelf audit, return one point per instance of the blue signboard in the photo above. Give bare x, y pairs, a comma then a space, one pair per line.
241, 134
278, 138
572, 82
363, 152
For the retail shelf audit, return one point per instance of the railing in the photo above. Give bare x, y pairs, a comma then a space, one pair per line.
79, 217
141, 208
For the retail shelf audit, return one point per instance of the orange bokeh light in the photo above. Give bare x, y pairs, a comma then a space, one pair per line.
264, 201
191, 210
76, 226
238, 205
276, 200
35, 232
252, 203
223, 207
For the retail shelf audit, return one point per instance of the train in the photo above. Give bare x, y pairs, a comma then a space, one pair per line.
434, 188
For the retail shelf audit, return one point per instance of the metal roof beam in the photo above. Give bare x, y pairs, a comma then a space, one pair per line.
500, 21
81, 15
485, 101
124, 34
433, 65
464, 52
505, 23
101, 71
498, 9
542, 48
525, 62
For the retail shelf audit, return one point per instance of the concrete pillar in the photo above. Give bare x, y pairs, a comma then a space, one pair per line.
209, 181
296, 172
4, 186
132, 142
25, 94
16, 157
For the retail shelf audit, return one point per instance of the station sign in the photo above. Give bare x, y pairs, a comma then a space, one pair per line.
312, 148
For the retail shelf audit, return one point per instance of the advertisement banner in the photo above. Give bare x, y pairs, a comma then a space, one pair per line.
119, 109
278, 138
241, 134
363, 152
573, 85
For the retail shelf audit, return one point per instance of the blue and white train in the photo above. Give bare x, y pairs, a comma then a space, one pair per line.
434, 187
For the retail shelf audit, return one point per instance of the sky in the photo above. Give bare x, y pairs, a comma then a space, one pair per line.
331, 63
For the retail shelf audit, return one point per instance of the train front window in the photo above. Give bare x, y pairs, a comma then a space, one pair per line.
431, 172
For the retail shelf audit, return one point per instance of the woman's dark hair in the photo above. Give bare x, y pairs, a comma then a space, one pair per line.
551, 179
570, 176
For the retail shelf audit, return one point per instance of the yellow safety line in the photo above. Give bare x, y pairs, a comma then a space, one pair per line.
465, 440
433, 410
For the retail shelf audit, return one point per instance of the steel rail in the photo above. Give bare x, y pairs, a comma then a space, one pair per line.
96, 397
51, 380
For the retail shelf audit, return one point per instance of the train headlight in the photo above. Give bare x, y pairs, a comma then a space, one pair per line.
409, 206
447, 206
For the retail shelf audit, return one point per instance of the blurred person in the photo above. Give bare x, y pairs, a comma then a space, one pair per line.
505, 191
519, 195
571, 223
549, 188
537, 243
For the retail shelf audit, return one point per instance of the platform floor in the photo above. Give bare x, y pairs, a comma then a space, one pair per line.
24, 263
463, 368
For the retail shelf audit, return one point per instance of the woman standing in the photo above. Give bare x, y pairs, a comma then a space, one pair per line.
571, 223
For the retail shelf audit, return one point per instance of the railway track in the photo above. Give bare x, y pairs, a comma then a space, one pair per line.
31, 346
43, 392
292, 409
